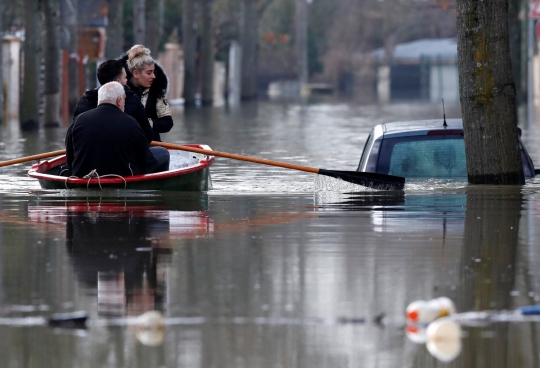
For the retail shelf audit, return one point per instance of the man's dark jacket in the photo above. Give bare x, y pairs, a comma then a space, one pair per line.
133, 107
107, 140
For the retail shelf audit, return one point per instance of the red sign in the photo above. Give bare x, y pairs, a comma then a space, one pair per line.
535, 10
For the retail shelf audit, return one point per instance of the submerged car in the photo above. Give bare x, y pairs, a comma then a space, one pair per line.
422, 149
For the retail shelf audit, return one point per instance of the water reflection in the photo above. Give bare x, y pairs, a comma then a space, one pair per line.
120, 248
487, 275
489, 219
488, 269
367, 201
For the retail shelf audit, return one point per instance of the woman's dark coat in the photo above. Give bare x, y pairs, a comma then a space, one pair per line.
158, 90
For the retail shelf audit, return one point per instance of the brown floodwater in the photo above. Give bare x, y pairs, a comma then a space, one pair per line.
272, 267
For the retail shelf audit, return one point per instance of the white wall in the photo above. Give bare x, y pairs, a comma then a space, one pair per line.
11, 76
383, 84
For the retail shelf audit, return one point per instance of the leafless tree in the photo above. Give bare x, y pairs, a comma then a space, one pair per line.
1, 63
487, 93
32, 48
154, 24
115, 29
52, 63
301, 40
69, 21
361, 26
251, 13
139, 21
207, 54
518, 47
249, 31
189, 44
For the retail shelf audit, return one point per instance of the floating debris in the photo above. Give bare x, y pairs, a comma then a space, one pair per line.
436, 323
149, 328
69, 320
422, 311
444, 339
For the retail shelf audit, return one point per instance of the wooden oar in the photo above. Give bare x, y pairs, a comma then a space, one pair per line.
372, 180
32, 158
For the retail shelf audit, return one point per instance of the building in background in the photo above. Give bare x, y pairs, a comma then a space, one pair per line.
421, 70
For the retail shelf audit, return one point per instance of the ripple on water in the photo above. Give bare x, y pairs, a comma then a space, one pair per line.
11, 184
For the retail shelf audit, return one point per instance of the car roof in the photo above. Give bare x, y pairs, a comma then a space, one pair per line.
421, 125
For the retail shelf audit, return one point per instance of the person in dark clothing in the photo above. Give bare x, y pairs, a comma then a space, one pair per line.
105, 139
148, 80
113, 70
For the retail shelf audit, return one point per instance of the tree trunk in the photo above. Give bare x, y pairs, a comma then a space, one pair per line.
514, 31
190, 52
302, 41
115, 29
69, 21
487, 93
154, 24
139, 22
207, 54
2, 110
52, 63
249, 37
524, 59
32, 65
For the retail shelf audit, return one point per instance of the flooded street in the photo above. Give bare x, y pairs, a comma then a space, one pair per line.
269, 268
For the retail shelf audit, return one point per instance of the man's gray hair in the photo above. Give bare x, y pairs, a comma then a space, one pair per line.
110, 92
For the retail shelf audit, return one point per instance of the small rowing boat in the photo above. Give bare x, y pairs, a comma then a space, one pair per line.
188, 172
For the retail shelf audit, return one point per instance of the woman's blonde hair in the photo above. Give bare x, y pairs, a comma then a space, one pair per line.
138, 58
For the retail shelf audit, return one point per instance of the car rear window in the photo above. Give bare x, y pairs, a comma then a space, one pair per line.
435, 156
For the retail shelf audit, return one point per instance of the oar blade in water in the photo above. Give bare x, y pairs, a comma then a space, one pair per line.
371, 180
